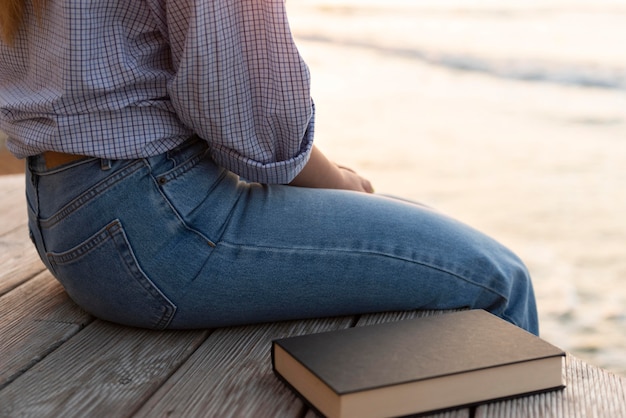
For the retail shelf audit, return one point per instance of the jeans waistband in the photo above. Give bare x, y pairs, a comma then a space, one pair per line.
37, 163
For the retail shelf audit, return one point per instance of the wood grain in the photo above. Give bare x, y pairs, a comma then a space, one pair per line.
105, 370
230, 375
12, 203
35, 319
589, 392
18, 258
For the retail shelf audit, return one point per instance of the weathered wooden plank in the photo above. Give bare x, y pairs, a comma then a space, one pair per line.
590, 392
231, 376
18, 259
105, 370
12, 203
35, 318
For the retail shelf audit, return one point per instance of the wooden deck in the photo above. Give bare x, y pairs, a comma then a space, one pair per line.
56, 360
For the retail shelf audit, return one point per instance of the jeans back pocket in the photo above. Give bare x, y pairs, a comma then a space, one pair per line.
103, 276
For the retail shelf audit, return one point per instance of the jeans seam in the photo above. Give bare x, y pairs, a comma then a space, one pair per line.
180, 169
90, 194
180, 218
373, 253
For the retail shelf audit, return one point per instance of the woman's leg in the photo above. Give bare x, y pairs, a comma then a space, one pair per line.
288, 252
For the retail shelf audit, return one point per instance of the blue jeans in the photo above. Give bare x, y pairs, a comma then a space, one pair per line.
174, 241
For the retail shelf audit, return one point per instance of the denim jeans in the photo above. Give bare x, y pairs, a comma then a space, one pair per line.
174, 241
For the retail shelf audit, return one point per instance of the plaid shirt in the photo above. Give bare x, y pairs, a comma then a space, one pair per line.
128, 79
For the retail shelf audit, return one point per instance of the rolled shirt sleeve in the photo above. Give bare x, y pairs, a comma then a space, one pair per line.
241, 84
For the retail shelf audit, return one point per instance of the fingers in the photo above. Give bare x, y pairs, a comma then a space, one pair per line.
367, 186
353, 181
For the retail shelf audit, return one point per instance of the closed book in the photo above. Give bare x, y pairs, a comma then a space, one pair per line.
417, 365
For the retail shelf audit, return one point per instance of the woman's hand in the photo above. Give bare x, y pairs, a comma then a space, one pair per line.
322, 173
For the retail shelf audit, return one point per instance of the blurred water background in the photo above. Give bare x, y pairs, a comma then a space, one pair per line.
509, 115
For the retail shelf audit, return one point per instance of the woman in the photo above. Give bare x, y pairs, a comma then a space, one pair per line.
172, 180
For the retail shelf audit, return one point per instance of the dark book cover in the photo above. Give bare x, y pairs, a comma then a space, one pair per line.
421, 349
